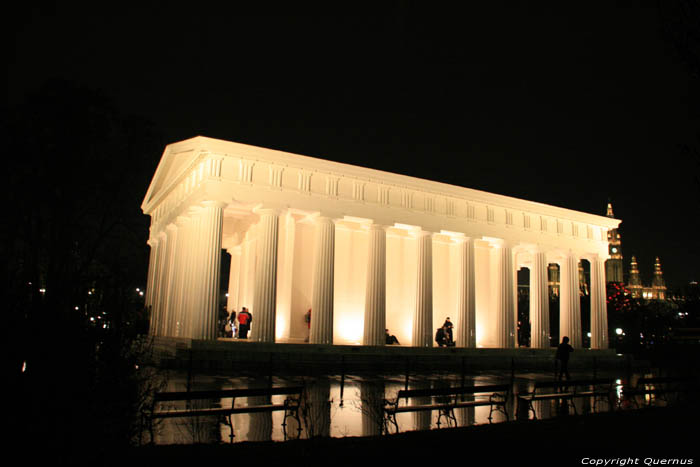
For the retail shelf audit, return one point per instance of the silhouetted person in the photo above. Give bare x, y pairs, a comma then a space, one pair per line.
447, 326
441, 337
390, 338
562, 356
244, 320
232, 321
223, 319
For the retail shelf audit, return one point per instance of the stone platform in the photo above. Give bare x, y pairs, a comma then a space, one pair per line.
302, 358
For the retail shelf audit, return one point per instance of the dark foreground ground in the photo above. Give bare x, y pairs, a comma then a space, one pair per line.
654, 436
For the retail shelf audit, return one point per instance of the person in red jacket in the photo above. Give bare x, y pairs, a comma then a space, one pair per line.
244, 320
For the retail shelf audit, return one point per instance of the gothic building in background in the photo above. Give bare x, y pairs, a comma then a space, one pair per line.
613, 266
657, 289
614, 269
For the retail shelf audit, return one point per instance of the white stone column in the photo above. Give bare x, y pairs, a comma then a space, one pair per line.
168, 281
191, 294
152, 294
207, 312
539, 302
246, 283
265, 288
323, 275
157, 280
158, 286
182, 286
175, 245
423, 314
375, 292
234, 279
599, 305
466, 298
505, 302
570, 301
153, 254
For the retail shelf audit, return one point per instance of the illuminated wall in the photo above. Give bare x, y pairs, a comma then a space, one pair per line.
267, 209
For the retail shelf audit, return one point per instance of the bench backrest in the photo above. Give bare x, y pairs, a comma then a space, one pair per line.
550, 385
220, 394
590, 382
661, 380
452, 391
571, 385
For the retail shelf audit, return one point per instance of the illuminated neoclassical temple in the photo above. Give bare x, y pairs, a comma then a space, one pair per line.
363, 249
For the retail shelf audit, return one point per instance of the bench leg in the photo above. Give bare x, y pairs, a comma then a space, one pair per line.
390, 418
499, 408
450, 413
529, 408
229, 423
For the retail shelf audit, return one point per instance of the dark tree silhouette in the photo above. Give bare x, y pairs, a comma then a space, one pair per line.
73, 253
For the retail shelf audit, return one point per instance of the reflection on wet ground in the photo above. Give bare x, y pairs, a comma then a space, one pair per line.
352, 405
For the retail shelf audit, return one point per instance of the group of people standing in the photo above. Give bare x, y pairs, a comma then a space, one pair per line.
243, 318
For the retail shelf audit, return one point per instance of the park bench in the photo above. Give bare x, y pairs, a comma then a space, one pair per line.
179, 404
564, 391
657, 388
446, 400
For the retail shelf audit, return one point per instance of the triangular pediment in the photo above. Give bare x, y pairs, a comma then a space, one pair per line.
175, 160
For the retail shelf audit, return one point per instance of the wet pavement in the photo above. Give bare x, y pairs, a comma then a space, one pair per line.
342, 406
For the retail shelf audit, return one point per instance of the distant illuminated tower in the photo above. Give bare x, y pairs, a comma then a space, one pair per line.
613, 266
635, 281
658, 285
553, 280
582, 282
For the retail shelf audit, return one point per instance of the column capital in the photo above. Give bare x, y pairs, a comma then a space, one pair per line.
214, 204
420, 233
319, 218
498, 242
377, 227
461, 239
267, 211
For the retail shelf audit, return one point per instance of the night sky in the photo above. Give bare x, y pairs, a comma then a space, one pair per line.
569, 106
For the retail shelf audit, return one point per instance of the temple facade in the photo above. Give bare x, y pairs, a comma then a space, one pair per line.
365, 250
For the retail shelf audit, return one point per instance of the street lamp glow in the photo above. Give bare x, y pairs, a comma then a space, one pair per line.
618, 331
